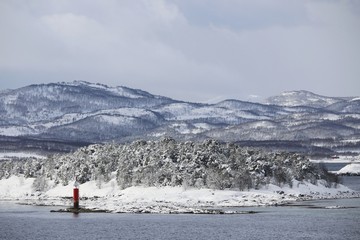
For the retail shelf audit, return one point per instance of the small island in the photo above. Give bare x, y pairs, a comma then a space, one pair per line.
166, 176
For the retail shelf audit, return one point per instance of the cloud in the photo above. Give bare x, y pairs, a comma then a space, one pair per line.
245, 14
191, 50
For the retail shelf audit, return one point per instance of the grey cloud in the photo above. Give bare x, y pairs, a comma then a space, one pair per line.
245, 14
190, 50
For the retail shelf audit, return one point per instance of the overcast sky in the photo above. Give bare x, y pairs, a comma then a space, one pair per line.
196, 50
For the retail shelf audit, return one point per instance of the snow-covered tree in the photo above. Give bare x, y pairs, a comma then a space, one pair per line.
207, 164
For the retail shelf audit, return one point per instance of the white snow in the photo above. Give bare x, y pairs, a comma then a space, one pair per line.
340, 159
10, 155
331, 117
351, 140
185, 111
184, 128
121, 91
16, 187
16, 131
108, 196
352, 169
113, 116
262, 124
301, 98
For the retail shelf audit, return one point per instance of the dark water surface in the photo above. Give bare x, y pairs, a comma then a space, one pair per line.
291, 222
335, 166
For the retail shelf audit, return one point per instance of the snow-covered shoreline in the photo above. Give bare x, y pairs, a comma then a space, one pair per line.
352, 169
164, 199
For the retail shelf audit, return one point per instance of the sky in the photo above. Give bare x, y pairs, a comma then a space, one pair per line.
194, 50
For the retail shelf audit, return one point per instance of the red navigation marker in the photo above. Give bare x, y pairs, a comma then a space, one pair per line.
76, 195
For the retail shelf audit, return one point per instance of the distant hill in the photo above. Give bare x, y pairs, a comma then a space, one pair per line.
304, 98
95, 113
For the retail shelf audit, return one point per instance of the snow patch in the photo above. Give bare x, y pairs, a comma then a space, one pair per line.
340, 159
11, 155
350, 169
14, 131
16, 187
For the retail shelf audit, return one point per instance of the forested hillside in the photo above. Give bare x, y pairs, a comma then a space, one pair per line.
208, 164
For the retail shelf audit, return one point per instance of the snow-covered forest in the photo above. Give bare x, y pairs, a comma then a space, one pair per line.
208, 164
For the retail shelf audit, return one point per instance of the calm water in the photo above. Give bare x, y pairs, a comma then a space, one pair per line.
335, 166
292, 222
352, 182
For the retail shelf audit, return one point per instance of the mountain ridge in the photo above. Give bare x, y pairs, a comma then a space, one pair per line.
303, 98
87, 112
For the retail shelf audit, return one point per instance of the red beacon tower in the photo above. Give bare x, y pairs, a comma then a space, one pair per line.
76, 195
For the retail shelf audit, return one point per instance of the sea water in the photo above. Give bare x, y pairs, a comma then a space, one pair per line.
325, 219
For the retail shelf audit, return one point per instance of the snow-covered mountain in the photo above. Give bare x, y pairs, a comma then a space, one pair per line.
303, 98
85, 112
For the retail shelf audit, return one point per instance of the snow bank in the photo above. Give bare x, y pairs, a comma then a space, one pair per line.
16, 188
11, 155
341, 159
109, 197
350, 169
